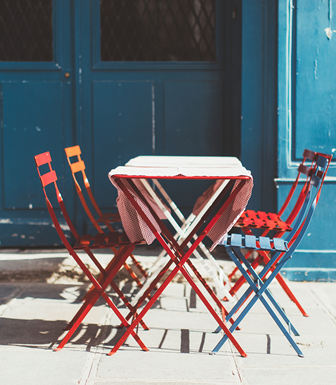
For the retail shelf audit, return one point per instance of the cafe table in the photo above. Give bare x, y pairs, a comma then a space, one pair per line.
185, 225
142, 219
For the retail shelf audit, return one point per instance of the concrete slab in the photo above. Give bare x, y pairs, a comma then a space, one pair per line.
33, 315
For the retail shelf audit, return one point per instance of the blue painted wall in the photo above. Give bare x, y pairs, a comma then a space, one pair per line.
306, 100
288, 104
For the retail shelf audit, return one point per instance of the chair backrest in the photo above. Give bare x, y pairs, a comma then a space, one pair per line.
77, 165
306, 212
50, 178
308, 171
308, 208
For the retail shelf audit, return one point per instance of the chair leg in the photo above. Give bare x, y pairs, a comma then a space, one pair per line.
114, 287
259, 292
285, 287
100, 291
290, 294
263, 256
178, 267
138, 265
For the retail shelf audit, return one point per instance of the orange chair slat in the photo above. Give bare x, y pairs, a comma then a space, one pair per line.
78, 166
72, 151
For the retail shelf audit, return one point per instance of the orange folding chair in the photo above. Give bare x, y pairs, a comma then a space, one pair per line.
77, 165
87, 243
270, 222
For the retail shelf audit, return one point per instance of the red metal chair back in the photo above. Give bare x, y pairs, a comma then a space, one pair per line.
308, 171
50, 178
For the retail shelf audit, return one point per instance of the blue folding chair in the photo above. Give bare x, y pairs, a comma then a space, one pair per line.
282, 250
276, 224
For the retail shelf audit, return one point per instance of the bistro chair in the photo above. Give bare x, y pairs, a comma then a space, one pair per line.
280, 251
77, 166
87, 243
270, 222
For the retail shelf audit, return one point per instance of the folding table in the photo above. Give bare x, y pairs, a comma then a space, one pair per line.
141, 220
218, 276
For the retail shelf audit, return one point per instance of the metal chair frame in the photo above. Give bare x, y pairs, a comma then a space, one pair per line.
87, 243
282, 250
270, 222
77, 165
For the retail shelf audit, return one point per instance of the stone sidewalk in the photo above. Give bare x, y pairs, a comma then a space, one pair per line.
34, 312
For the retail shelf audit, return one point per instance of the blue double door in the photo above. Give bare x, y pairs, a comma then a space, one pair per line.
118, 78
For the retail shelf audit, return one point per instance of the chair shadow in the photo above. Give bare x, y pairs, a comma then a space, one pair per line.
29, 270
47, 334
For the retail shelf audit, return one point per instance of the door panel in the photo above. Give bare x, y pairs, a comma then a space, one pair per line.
314, 127
40, 125
193, 113
36, 115
193, 118
122, 129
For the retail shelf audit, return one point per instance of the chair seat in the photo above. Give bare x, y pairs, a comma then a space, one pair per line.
109, 217
255, 243
101, 240
262, 220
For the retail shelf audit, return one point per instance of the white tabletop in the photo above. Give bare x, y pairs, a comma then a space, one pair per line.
183, 172
183, 161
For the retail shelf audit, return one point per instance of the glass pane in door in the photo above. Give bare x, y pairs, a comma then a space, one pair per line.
158, 30
26, 31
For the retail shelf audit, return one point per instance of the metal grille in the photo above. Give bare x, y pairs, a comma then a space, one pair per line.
26, 32
158, 30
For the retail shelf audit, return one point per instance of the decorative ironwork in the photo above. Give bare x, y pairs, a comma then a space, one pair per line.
26, 30
158, 30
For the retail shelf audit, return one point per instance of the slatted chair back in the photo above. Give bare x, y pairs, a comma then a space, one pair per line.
302, 169
251, 219
305, 215
50, 178
309, 171
77, 165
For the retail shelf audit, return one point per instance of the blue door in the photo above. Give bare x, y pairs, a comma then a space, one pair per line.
36, 112
153, 82
120, 78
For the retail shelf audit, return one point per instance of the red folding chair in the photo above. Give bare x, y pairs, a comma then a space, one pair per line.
86, 243
270, 222
77, 165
